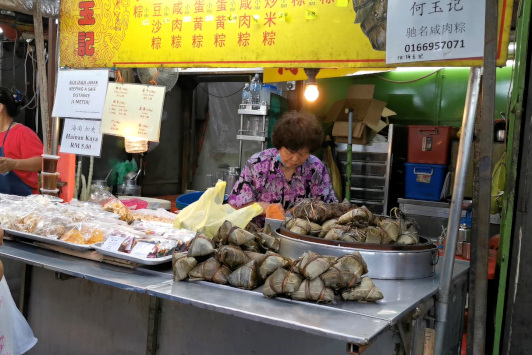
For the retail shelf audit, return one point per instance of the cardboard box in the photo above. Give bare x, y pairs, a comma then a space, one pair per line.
367, 113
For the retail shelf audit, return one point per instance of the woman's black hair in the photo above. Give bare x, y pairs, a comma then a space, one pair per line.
6, 98
296, 130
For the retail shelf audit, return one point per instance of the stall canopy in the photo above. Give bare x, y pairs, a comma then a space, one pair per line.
231, 33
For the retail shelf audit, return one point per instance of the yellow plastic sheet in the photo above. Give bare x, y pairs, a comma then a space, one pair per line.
209, 212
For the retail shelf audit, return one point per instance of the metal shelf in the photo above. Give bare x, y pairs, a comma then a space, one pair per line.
262, 110
244, 137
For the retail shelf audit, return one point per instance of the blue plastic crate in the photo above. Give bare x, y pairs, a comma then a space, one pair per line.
424, 181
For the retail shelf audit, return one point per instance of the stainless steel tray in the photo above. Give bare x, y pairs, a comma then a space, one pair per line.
136, 259
48, 240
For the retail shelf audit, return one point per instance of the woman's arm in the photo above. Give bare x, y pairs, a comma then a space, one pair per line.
30, 164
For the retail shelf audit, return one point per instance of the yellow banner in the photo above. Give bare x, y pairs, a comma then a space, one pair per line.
233, 33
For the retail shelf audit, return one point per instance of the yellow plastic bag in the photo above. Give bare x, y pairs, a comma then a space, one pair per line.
209, 212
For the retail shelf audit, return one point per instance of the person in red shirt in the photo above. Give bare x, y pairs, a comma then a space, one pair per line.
20, 151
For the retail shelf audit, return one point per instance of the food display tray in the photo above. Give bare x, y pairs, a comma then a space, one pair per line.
136, 259
53, 241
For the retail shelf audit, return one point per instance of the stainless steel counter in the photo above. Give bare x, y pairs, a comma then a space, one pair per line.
353, 322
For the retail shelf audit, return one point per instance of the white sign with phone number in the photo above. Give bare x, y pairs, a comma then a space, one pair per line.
425, 30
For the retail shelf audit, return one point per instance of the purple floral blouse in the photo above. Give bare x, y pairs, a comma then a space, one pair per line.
263, 180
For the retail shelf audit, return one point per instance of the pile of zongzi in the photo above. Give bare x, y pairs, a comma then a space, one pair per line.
247, 259
349, 223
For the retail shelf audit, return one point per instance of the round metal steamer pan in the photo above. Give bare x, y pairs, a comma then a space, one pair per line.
391, 262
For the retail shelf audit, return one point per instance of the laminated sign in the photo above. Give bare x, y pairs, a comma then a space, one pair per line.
422, 30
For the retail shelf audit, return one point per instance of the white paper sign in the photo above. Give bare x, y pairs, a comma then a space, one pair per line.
425, 30
80, 93
82, 137
133, 110
142, 249
113, 243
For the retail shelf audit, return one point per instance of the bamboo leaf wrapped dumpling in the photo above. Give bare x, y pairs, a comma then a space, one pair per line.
246, 276
337, 277
391, 227
365, 292
239, 236
220, 238
281, 282
374, 235
353, 263
258, 257
181, 265
231, 256
312, 265
360, 215
313, 290
269, 241
201, 245
221, 275
326, 227
205, 270
271, 263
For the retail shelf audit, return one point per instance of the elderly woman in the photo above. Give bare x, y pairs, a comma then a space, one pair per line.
287, 173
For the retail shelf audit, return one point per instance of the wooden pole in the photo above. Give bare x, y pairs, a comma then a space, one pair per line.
43, 82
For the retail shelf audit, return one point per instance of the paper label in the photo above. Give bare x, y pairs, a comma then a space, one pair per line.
434, 30
82, 137
423, 178
142, 249
113, 243
80, 93
426, 145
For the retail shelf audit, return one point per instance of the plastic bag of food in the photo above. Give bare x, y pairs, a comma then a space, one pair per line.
209, 212
158, 215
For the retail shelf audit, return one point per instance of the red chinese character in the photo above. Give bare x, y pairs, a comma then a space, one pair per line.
197, 41
85, 44
198, 6
219, 40
138, 11
268, 38
156, 42
328, 2
243, 39
198, 23
178, 8
298, 2
220, 22
270, 3
156, 26
294, 71
220, 5
244, 20
245, 4
86, 13
177, 25
270, 19
176, 41
157, 9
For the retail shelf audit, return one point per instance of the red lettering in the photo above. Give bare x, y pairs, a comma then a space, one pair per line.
198, 23
245, 4
220, 5
177, 25
178, 8
270, 3
197, 41
270, 19
220, 22
243, 39
244, 20
219, 40
268, 38
87, 13
85, 44
198, 6
157, 9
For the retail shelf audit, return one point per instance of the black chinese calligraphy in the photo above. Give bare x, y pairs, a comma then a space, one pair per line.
372, 14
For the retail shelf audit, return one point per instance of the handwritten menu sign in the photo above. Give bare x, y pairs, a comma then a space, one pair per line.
434, 30
80, 93
133, 110
82, 137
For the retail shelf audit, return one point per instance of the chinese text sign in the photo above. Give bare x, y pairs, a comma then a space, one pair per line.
427, 30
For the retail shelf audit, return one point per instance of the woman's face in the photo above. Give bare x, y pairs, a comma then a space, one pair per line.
292, 159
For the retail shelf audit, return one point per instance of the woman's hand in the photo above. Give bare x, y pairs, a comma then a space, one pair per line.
7, 164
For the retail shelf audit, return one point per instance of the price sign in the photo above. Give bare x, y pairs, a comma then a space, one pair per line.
133, 110
434, 30
80, 93
142, 249
112, 243
82, 137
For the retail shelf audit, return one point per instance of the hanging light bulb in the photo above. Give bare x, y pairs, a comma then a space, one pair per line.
136, 145
311, 89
